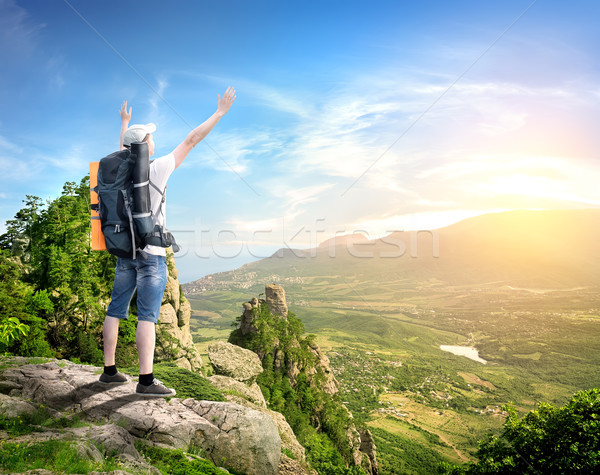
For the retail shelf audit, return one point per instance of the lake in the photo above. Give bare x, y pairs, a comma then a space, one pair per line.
468, 351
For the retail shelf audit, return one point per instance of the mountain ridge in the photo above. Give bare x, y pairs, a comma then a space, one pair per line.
547, 249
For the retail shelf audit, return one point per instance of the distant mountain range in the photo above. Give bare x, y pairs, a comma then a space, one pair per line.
541, 249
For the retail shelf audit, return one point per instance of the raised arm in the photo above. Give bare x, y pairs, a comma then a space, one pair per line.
125, 118
196, 135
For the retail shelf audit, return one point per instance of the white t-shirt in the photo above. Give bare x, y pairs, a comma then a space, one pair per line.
160, 171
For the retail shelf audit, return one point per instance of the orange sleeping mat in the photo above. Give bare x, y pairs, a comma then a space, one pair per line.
98, 243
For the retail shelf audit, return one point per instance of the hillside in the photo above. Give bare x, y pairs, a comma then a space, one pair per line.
540, 249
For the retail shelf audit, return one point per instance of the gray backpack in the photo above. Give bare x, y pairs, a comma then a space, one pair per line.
124, 203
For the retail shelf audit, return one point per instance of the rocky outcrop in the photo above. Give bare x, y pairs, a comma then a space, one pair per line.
233, 361
173, 335
229, 434
330, 386
367, 447
318, 371
236, 371
275, 298
246, 323
232, 386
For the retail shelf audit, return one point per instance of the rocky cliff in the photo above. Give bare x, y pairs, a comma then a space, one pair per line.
317, 369
173, 335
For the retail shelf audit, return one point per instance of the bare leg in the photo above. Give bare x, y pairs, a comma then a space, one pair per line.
145, 337
110, 332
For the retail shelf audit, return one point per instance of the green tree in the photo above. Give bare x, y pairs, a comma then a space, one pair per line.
62, 283
546, 440
12, 329
19, 302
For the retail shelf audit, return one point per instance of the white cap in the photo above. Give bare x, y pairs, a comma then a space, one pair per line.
137, 132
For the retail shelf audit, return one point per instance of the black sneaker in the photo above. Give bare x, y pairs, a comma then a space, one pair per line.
118, 378
156, 389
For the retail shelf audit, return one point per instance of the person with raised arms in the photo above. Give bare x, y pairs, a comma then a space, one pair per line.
148, 271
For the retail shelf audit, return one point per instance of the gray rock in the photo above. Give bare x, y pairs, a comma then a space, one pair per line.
11, 407
135, 465
88, 451
289, 466
234, 361
330, 385
183, 363
39, 471
7, 386
246, 439
246, 324
168, 315
111, 438
249, 440
184, 313
275, 297
288, 438
286, 434
174, 319
251, 393
367, 446
171, 294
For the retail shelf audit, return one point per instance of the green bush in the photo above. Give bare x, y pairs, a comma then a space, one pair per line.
546, 440
175, 462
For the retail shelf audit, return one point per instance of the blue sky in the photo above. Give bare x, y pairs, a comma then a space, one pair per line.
350, 116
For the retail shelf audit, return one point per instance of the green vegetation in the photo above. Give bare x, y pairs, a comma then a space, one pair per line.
546, 440
56, 455
186, 383
382, 333
300, 398
51, 280
12, 329
37, 421
404, 455
176, 462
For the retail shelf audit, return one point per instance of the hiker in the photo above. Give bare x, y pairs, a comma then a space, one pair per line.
148, 271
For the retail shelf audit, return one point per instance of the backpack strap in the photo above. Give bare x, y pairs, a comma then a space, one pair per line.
130, 216
161, 236
162, 194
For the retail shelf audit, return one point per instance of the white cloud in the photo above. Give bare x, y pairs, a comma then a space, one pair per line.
8, 146
444, 168
18, 35
156, 97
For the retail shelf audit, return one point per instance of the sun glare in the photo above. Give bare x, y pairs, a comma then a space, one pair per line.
535, 186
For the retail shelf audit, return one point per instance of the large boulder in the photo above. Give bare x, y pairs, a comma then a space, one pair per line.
249, 438
252, 393
234, 361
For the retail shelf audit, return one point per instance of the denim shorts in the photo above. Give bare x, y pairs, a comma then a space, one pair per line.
147, 274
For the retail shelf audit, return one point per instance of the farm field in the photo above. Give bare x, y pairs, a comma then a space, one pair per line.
384, 348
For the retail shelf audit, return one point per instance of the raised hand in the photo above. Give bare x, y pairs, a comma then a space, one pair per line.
225, 103
125, 116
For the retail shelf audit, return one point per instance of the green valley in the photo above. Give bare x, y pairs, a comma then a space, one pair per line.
382, 322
